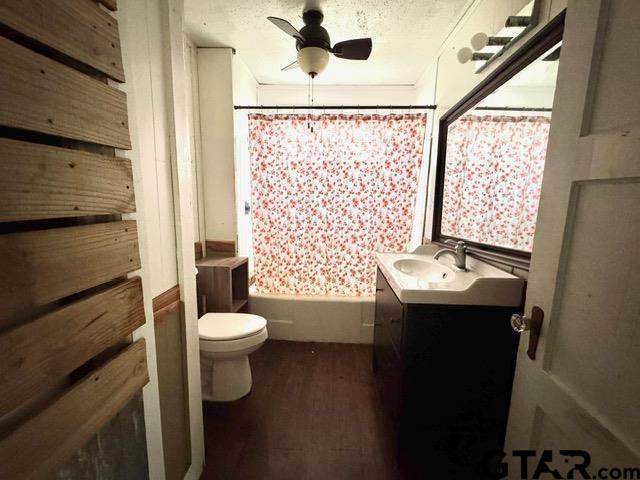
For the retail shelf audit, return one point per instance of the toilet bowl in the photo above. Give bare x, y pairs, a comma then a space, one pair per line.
226, 340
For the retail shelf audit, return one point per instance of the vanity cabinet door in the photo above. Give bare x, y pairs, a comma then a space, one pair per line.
390, 311
394, 319
387, 360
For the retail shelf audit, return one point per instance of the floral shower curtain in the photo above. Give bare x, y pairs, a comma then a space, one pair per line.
493, 178
327, 192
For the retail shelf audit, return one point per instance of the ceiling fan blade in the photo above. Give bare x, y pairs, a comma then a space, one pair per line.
286, 27
291, 66
358, 49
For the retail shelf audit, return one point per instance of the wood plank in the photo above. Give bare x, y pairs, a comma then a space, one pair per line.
74, 334
45, 442
166, 302
239, 305
221, 261
197, 246
110, 4
41, 266
220, 246
39, 182
76, 28
174, 394
42, 95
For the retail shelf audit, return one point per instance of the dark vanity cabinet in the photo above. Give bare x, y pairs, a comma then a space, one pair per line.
445, 374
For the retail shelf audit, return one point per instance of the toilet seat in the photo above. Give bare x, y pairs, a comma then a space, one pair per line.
231, 332
234, 346
215, 327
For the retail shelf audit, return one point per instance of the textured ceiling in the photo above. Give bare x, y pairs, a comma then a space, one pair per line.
406, 35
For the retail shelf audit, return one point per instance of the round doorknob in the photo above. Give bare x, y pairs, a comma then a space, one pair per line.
533, 325
520, 323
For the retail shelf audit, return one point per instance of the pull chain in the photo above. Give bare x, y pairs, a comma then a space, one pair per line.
312, 85
310, 101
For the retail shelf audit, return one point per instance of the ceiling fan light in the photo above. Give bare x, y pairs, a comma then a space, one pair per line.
464, 55
313, 60
479, 41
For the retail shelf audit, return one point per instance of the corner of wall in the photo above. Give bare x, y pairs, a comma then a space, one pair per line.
215, 80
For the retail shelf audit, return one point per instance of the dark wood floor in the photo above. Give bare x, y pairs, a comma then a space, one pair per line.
313, 413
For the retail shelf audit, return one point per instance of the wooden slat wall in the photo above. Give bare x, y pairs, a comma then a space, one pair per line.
37, 354
76, 28
45, 265
39, 181
42, 95
64, 250
43, 443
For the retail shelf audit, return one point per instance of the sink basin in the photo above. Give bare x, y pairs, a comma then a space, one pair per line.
419, 278
424, 270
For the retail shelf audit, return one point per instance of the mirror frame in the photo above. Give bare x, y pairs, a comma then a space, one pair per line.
537, 45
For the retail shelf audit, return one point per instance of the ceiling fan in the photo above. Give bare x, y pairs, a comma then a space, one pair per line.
313, 44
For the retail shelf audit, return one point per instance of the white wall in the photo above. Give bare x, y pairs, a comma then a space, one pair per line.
521, 97
146, 87
337, 94
244, 93
146, 45
215, 71
193, 116
139, 23
223, 81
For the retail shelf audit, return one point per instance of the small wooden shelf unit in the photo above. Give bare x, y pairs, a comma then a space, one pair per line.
223, 284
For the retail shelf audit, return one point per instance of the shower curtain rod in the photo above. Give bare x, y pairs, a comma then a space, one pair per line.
513, 109
334, 107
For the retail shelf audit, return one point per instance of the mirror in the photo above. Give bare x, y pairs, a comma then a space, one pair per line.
492, 150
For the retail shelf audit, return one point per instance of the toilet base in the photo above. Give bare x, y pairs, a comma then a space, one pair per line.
225, 379
224, 366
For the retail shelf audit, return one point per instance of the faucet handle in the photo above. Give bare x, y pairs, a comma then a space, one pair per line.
455, 243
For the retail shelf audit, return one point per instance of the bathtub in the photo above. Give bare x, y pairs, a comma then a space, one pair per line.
315, 318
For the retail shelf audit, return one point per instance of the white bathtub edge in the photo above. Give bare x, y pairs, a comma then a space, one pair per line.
316, 319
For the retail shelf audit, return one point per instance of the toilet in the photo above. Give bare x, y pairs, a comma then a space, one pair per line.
226, 340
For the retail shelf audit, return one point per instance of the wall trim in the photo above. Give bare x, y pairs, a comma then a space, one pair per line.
198, 250
167, 302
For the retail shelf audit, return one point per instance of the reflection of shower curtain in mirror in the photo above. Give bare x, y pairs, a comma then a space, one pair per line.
325, 199
493, 177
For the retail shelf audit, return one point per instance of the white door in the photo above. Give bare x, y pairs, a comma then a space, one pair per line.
583, 390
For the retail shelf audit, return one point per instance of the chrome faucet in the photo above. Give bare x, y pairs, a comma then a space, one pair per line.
458, 251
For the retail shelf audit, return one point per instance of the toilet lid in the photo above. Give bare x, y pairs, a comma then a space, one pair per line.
229, 326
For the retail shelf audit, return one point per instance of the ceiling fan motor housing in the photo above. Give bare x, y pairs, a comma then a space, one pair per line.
314, 45
315, 35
